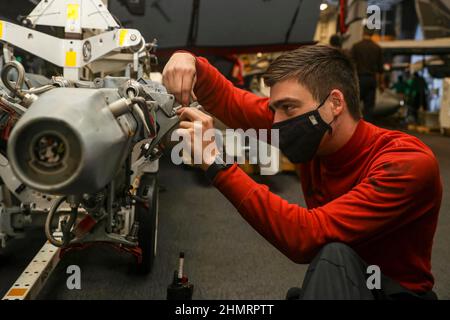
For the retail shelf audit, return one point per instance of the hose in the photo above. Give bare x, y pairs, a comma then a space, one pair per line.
15, 107
16, 89
66, 228
40, 90
141, 115
147, 117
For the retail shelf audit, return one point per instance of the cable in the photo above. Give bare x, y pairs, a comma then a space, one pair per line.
40, 90
66, 228
16, 88
194, 23
294, 19
147, 117
16, 108
141, 117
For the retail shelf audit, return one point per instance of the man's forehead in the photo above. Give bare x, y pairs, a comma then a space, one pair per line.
291, 88
288, 82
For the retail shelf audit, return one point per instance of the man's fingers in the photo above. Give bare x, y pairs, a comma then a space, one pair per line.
185, 133
186, 125
186, 87
172, 81
179, 76
176, 83
193, 96
179, 80
166, 81
192, 114
194, 81
182, 101
180, 111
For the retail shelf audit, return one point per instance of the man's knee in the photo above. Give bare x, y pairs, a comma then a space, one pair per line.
337, 252
335, 247
336, 272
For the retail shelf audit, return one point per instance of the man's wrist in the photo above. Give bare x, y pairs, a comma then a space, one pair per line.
216, 166
208, 161
194, 57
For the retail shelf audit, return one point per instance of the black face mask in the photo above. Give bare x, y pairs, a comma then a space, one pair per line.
300, 137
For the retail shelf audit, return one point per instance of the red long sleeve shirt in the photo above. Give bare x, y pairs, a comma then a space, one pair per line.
380, 193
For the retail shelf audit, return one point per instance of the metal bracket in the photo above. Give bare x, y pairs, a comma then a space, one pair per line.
73, 15
68, 53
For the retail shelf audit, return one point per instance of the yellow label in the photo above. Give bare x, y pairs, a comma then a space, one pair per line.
71, 59
73, 11
1, 29
122, 36
17, 292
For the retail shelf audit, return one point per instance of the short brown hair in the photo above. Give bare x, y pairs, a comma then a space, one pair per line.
320, 69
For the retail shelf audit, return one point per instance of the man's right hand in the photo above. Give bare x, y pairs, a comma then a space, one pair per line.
179, 77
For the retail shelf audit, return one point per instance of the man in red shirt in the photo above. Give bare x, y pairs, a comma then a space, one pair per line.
373, 195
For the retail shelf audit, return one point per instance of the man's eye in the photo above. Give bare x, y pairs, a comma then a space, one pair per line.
288, 108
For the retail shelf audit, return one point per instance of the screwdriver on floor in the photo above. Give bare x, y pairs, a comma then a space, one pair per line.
180, 288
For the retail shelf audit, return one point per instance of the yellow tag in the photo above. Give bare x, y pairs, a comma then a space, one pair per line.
1, 29
122, 36
71, 59
17, 292
73, 11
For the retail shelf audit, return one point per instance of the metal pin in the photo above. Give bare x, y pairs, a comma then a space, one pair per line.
181, 266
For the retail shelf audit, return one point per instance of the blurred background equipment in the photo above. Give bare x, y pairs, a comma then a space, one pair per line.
136, 7
251, 25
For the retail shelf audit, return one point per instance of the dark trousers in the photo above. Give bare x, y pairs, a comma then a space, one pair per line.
338, 273
368, 90
413, 110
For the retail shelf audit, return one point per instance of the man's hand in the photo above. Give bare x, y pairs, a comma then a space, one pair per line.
200, 128
179, 77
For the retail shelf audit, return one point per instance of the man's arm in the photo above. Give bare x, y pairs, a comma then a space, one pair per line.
235, 107
374, 207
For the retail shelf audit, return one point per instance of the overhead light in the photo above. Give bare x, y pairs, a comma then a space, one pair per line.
323, 6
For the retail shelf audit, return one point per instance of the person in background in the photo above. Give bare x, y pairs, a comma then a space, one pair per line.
417, 97
401, 86
368, 58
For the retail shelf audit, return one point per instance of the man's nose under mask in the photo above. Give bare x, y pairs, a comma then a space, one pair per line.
301, 136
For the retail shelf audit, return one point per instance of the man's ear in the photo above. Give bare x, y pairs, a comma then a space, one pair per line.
338, 101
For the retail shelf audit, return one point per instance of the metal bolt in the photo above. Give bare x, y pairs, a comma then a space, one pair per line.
133, 37
87, 51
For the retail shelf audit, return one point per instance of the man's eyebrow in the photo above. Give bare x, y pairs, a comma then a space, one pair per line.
276, 104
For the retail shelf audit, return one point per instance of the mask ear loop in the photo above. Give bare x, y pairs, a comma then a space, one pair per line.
330, 130
323, 101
